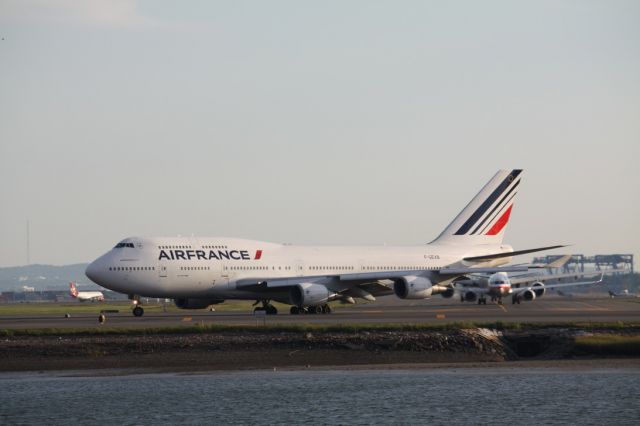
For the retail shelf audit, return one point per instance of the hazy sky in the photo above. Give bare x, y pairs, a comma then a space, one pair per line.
333, 122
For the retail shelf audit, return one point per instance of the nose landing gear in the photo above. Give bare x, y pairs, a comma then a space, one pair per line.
138, 311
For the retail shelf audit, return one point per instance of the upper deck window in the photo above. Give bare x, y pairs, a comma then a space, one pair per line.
120, 245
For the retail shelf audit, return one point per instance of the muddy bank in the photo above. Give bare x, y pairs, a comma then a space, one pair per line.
232, 350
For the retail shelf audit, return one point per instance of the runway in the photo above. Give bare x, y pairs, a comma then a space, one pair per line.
551, 309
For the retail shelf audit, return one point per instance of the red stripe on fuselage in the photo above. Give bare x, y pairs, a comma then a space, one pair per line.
497, 227
258, 254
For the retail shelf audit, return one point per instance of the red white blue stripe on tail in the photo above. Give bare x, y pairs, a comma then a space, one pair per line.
493, 214
484, 219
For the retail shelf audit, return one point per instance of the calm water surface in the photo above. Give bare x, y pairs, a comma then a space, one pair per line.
437, 396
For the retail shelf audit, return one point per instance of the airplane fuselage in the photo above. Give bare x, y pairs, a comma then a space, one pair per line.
185, 267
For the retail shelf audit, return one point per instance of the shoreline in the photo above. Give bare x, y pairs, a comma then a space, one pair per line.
590, 365
240, 350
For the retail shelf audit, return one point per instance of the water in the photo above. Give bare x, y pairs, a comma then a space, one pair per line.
434, 396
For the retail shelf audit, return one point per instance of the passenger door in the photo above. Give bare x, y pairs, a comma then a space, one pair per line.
162, 269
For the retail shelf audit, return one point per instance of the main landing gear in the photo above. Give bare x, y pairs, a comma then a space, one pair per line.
515, 300
482, 300
266, 306
318, 309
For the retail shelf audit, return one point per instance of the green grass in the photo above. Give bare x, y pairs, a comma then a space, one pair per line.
64, 308
317, 328
55, 308
607, 344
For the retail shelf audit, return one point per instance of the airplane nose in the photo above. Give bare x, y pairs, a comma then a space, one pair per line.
93, 271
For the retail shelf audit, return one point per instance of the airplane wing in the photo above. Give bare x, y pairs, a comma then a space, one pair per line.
510, 253
364, 277
558, 263
343, 282
367, 285
558, 285
370, 284
518, 281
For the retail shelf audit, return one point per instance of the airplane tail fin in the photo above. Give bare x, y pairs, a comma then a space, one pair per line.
484, 219
73, 290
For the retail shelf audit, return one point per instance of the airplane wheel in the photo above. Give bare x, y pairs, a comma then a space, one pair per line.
271, 310
326, 309
138, 311
294, 310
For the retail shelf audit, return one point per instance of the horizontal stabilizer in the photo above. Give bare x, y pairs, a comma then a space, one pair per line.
559, 285
560, 262
509, 254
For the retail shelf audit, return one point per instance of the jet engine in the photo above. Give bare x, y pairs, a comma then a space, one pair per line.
448, 293
196, 303
412, 287
529, 295
470, 296
308, 294
538, 289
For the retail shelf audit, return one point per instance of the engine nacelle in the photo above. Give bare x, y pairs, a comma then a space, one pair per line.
413, 287
529, 295
196, 303
470, 296
308, 294
448, 293
538, 289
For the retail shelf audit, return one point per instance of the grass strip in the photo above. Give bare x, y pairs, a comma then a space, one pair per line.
607, 344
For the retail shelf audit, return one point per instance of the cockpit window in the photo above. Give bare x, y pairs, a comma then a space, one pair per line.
499, 282
120, 245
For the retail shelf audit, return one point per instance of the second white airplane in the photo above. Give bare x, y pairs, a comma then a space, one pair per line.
83, 296
198, 272
527, 288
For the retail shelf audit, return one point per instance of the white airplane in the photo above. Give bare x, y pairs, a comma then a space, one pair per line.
84, 296
524, 288
198, 272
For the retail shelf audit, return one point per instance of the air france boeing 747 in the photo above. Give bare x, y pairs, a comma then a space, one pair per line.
198, 272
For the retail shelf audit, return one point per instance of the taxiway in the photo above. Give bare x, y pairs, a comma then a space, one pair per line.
553, 309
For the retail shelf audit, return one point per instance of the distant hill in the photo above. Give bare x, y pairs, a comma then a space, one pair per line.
44, 277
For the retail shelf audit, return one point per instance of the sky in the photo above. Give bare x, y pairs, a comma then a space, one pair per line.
329, 123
